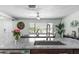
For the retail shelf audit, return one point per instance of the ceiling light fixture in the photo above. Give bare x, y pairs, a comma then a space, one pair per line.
38, 17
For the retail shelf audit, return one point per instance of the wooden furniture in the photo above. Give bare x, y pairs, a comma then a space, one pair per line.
41, 51
54, 51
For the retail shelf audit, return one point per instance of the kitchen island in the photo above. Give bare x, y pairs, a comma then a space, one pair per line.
71, 47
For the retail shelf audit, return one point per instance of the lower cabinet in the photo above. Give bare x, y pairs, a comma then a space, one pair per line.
76, 51
54, 51
39, 51
14, 51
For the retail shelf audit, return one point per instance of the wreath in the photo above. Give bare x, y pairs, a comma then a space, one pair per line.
20, 25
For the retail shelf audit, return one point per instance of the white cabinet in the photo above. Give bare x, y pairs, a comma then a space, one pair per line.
5, 31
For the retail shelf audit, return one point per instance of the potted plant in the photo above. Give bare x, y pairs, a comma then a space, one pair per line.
60, 29
16, 34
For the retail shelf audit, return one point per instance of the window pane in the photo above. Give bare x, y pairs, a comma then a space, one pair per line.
34, 27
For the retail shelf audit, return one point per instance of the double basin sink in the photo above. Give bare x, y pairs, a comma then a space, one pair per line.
48, 43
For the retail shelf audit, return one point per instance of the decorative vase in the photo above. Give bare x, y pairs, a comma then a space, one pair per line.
61, 36
17, 41
17, 37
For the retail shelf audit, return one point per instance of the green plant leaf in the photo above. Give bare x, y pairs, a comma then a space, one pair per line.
60, 28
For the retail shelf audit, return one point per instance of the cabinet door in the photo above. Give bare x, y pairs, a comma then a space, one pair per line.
76, 51
5, 32
1, 31
7, 27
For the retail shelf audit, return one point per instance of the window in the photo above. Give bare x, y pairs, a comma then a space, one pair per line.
34, 27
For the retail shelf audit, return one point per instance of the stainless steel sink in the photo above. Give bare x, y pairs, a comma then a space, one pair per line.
48, 43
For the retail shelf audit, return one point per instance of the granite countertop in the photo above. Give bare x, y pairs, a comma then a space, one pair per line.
69, 44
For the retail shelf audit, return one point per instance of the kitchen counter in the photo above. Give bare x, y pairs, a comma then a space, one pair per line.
69, 44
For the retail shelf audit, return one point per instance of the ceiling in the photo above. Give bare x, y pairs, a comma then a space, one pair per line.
46, 11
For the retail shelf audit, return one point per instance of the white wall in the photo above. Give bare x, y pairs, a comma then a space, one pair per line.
67, 21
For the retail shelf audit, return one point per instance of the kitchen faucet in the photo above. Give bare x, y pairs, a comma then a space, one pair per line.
48, 32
